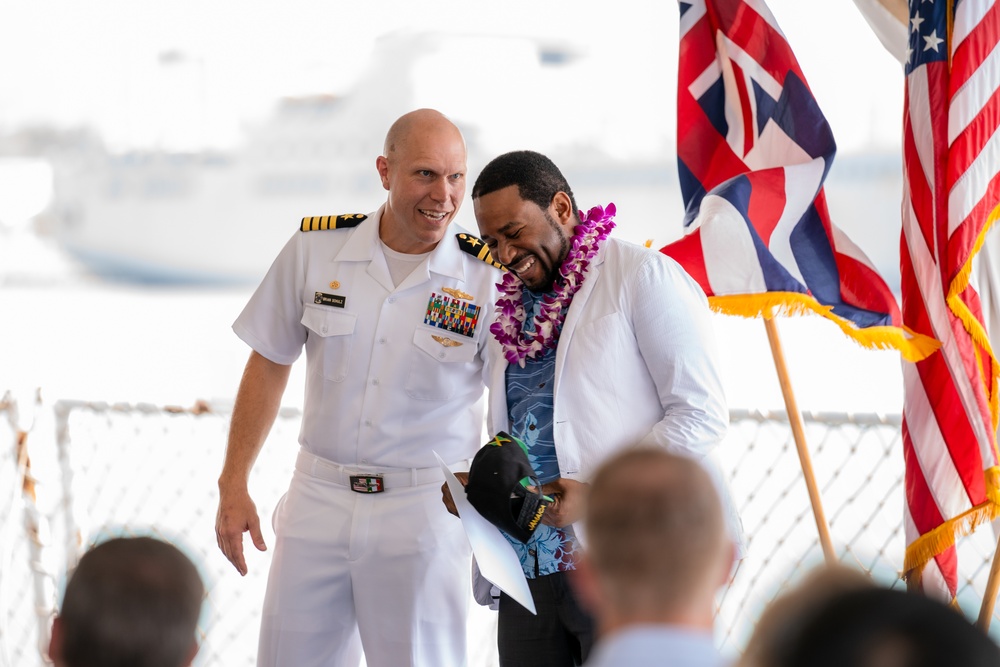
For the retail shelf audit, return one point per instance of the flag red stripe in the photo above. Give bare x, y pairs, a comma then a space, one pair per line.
766, 201
966, 147
975, 49
956, 429
938, 100
706, 162
860, 284
923, 508
688, 252
921, 195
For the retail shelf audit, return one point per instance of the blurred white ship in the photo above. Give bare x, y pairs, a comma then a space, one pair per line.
221, 216
209, 217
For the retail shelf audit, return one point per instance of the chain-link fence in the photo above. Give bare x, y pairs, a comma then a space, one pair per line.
72, 472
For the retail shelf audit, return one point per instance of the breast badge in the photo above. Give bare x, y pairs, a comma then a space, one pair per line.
447, 342
457, 293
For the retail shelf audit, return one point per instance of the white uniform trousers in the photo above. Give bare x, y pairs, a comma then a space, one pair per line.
392, 565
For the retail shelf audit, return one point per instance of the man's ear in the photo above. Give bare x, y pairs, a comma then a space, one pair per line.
56, 641
382, 164
562, 209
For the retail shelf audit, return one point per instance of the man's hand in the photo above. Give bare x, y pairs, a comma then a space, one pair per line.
569, 502
237, 514
446, 498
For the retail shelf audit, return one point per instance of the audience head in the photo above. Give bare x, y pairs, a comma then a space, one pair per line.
847, 621
783, 619
657, 546
130, 602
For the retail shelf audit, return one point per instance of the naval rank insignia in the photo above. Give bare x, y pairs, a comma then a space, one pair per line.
451, 313
318, 223
475, 247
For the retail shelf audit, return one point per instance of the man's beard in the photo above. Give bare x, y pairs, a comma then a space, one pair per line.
550, 279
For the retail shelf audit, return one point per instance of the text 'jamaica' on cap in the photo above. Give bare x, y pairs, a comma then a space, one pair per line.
503, 487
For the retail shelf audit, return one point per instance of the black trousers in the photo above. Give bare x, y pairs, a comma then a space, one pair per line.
561, 635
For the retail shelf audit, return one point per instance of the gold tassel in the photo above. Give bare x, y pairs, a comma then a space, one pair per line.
973, 326
930, 544
912, 345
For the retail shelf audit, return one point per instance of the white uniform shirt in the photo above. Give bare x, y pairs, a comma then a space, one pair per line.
657, 645
383, 386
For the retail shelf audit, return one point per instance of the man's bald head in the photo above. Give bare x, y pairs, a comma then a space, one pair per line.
423, 170
415, 125
656, 537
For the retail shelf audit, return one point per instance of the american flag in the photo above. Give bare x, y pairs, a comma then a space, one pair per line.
753, 150
951, 150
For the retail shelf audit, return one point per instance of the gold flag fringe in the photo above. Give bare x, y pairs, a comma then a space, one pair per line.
912, 345
975, 328
931, 543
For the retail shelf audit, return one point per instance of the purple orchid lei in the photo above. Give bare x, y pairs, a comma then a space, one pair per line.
507, 329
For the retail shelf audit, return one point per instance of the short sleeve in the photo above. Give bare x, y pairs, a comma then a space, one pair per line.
271, 322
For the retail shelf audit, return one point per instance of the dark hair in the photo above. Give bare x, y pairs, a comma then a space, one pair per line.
537, 178
131, 602
861, 628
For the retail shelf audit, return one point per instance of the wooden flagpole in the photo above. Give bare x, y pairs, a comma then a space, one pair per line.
990, 596
799, 433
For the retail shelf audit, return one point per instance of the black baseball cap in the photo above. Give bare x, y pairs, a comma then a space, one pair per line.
503, 487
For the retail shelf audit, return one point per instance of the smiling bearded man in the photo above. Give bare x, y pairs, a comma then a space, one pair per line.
599, 345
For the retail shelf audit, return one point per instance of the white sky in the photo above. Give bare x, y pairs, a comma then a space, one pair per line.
99, 62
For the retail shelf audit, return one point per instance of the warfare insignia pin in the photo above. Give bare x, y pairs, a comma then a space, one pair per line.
447, 342
457, 293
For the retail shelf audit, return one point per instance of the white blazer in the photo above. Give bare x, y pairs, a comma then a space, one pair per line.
636, 364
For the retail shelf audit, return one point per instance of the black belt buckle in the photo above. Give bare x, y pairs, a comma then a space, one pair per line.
367, 483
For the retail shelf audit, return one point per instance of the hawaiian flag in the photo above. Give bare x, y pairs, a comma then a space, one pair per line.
753, 150
951, 151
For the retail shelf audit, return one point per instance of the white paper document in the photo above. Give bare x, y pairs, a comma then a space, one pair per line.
496, 558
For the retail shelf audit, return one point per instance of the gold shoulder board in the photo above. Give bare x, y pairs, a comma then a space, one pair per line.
475, 247
321, 223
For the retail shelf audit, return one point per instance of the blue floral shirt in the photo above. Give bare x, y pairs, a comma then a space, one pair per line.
530, 410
